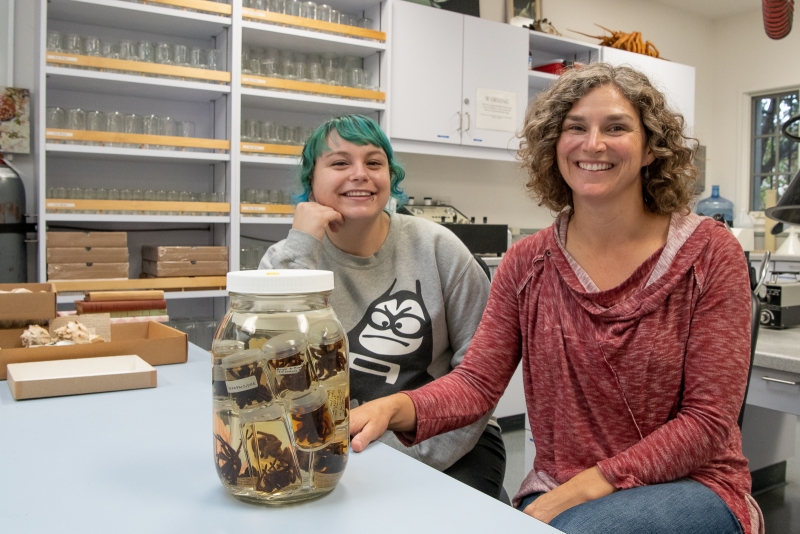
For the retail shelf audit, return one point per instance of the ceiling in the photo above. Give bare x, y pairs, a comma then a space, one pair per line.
713, 9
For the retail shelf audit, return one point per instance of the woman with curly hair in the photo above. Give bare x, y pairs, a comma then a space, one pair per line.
631, 317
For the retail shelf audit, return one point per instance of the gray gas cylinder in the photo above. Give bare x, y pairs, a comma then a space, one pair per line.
13, 255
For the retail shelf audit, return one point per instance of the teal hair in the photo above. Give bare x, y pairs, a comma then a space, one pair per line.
357, 129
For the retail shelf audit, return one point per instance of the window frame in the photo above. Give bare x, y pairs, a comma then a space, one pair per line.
756, 178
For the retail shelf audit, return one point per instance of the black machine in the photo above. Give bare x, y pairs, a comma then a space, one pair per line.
479, 238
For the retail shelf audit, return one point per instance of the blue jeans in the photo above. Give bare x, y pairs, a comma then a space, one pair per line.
680, 507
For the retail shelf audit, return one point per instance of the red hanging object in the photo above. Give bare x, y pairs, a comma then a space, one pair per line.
777, 17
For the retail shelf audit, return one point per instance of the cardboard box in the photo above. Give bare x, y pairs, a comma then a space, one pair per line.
87, 239
34, 380
153, 342
184, 268
184, 253
86, 271
87, 255
27, 306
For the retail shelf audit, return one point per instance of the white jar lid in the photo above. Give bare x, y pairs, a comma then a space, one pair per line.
280, 282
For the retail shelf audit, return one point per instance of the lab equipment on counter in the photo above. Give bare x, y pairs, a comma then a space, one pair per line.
479, 238
280, 387
780, 305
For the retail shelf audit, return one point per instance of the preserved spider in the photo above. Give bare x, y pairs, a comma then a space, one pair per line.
229, 465
329, 359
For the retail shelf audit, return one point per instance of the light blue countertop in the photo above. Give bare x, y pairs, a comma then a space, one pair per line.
141, 461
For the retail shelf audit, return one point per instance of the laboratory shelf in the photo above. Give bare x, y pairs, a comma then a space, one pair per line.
131, 154
282, 162
150, 18
545, 47
266, 220
307, 41
539, 81
88, 217
113, 83
68, 298
302, 102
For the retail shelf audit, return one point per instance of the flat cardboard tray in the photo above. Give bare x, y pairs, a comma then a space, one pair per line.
87, 255
87, 271
153, 342
184, 268
87, 239
167, 284
175, 253
56, 378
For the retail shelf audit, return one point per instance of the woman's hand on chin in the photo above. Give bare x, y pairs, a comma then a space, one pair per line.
369, 421
314, 219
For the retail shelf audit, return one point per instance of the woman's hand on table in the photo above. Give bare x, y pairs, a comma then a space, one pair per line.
314, 219
586, 486
369, 421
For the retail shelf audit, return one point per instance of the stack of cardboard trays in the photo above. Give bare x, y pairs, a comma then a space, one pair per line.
87, 255
184, 261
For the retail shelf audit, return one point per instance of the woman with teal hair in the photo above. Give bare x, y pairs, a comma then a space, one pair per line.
407, 291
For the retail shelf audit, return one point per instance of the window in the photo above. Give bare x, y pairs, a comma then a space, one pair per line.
774, 156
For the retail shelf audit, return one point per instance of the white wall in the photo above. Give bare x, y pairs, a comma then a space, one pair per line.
746, 62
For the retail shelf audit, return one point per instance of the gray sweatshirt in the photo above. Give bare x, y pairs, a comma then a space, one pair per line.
410, 311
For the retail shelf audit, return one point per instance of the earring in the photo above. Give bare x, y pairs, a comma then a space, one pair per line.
647, 172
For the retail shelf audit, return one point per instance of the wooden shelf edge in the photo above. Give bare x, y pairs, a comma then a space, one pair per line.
177, 284
267, 148
311, 87
200, 5
256, 209
70, 204
310, 24
96, 62
58, 134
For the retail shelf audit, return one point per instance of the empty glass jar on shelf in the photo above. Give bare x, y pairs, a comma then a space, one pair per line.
90, 193
117, 122
325, 68
280, 388
145, 51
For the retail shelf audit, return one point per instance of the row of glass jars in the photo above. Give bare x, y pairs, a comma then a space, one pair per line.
146, 51
132, 194
326, 68
273, 133
281, 413
308, 10
118, 122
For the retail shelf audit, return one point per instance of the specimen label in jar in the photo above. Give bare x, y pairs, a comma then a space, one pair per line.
338, 401
313, 428
291, 373
329, 359
271, 458
329, 464
248, 385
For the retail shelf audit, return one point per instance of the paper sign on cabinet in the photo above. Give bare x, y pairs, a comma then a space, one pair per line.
496, 110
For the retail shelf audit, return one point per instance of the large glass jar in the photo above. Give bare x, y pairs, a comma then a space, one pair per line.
280, 388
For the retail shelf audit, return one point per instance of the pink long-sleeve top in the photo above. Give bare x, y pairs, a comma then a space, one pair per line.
644, 380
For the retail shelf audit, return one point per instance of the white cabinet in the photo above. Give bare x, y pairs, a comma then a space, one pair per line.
441, 63
676, 81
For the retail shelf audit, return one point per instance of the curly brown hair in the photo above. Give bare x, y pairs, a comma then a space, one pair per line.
667, 184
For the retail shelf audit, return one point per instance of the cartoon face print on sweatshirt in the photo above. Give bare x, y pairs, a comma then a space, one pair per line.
392, 346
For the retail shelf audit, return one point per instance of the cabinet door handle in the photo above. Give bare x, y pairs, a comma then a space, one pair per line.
770, 379
460, 122
469, 120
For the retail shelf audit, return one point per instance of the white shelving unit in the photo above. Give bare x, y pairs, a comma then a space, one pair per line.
216, 108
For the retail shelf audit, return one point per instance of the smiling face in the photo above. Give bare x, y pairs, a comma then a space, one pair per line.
601, 149
354, 180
